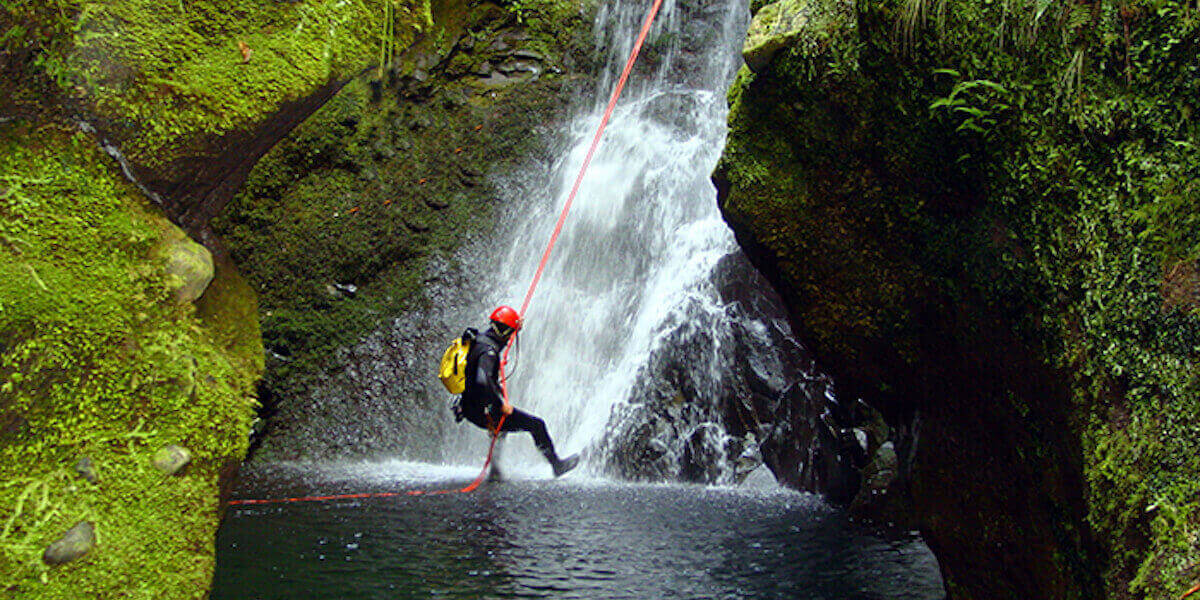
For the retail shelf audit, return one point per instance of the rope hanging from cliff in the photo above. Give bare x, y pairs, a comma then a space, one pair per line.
537, 277
587, 160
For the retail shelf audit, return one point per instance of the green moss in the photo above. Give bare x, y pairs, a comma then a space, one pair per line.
229, 310
387, 176
96, 360
923, 187
174, 74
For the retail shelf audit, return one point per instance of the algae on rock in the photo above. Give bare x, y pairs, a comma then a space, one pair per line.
189, 266
392, 175
967, 214
97, 359
102, 351
170, 87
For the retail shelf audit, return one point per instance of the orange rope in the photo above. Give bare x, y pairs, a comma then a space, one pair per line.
1190, 592
612, 104
562, 218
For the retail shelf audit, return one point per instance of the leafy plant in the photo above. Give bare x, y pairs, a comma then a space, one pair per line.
979, 103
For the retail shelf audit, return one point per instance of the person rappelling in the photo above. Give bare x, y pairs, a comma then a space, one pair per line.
471, 366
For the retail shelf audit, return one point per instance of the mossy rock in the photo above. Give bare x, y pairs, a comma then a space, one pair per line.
956, 240
194, 93
773, 28
793, 24
363, 196
76, 542
97, 359
189, 266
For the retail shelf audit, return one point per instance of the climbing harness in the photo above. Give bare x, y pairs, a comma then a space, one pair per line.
562, 218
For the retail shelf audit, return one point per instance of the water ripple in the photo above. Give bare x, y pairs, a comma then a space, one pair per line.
529, 539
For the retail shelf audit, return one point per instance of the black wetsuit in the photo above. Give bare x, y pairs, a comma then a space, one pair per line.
483, 392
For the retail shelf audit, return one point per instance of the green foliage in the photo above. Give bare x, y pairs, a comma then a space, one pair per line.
1066, 201
97, 360
1102, 192
544, 14
976, 104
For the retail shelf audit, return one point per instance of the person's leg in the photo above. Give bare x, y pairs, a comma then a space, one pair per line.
494, 473
520, 420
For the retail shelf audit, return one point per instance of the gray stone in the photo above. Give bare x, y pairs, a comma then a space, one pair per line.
529, 54
509, 67
416, 225
86, 470
879, 474
189, 267
171, 459
761, 479
76, 542
864, 440
499, 79
749, 460
419, 122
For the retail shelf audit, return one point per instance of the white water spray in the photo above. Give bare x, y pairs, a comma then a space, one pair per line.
644, 233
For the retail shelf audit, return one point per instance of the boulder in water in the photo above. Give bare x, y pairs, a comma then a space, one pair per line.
760, 479
881, 498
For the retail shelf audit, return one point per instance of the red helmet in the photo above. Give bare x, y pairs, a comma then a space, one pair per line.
505, 315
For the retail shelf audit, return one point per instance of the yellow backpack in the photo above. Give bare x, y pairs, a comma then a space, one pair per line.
453, 370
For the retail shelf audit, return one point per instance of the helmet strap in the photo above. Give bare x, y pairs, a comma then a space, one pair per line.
502, 330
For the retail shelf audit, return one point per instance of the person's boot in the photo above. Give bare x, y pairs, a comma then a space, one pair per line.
560, 466
494, 474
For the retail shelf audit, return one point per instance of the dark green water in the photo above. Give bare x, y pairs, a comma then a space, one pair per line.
533, 538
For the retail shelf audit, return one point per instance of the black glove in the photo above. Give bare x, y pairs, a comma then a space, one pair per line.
456, 408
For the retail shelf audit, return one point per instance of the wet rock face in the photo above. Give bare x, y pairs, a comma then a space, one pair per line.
823, 160
691, 417
358, 229
385, 398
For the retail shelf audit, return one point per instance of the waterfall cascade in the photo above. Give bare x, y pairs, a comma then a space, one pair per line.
651, 344
628, 322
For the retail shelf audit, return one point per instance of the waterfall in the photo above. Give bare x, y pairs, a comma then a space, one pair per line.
651, 345
633, 269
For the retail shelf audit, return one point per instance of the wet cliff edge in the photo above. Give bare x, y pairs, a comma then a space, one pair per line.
981, 251
130, 345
